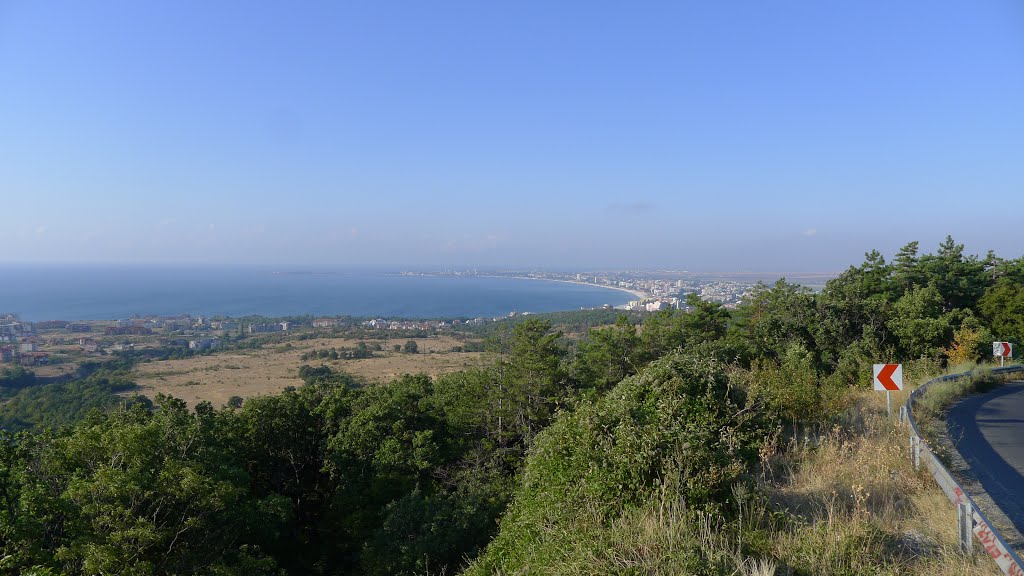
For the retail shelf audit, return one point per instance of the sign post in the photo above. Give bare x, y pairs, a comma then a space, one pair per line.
1003, 350
888, 377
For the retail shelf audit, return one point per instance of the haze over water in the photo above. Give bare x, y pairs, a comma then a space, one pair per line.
93, 293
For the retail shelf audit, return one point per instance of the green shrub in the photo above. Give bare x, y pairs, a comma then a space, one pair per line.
792, 392
673, 429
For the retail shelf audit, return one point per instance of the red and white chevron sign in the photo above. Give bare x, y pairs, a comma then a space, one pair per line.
1004, 349
888, 377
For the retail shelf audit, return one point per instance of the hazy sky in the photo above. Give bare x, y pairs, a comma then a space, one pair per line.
709, 135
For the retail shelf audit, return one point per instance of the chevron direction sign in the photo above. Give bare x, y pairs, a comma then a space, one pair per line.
888, 377
1002, 349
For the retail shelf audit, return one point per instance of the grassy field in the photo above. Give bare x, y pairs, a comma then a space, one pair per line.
248, 373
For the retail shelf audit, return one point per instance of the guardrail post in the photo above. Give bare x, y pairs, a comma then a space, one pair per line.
915, 451
965, 526
903, 414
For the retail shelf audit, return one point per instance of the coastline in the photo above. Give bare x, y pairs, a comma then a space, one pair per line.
637, 293
58, 294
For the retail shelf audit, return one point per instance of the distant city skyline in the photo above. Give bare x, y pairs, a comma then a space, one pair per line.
767, 137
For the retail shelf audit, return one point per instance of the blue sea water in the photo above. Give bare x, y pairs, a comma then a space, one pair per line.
100, 293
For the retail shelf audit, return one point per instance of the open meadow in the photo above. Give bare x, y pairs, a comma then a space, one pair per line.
247, 373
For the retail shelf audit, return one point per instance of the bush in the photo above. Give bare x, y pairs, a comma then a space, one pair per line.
672, 429
792, 392
16, 377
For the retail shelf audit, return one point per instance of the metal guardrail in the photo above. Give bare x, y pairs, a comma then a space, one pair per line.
970, 518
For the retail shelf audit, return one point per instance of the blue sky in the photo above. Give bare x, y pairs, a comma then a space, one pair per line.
770, 136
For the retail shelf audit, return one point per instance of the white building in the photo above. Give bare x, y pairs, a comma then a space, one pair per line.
203, 344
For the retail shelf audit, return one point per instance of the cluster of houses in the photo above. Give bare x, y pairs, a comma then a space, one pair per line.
11, 328
203, 343
385, 324
18, 342
269, 327
327, 323
655, 304
128, 331
89, 346
21, 341
25, 353
382, 324
71, 327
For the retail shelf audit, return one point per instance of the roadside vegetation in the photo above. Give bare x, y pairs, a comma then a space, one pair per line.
932, 406
701, 442
844, 500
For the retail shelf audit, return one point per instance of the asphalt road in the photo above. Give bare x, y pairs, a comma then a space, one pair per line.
988, 430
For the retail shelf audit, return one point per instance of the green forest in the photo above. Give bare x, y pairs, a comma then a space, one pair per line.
487, 470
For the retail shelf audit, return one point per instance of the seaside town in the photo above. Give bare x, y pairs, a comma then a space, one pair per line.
654, 291
37, 343
33, 343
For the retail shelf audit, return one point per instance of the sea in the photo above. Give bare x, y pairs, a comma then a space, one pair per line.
37, 293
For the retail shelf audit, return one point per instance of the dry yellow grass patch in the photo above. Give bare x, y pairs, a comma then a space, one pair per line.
52, 370
249, 373
389, 366
857, 500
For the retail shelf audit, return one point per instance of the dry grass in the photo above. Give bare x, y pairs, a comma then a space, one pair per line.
845, 501
856, 504
249, 373
53, 370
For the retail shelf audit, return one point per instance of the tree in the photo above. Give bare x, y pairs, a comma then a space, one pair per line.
919, 323
470, 401
606, 356
706, 321
1003, 307
856, 302
16, 377
782, 315
530, 375
362, 351
139, 492
283, 443
789, 391
907, 271
968, 344
960, 280
410, 347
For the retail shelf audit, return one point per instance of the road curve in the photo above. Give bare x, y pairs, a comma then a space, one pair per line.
988, 430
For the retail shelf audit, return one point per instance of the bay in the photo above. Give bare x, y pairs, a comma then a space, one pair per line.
39, 292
